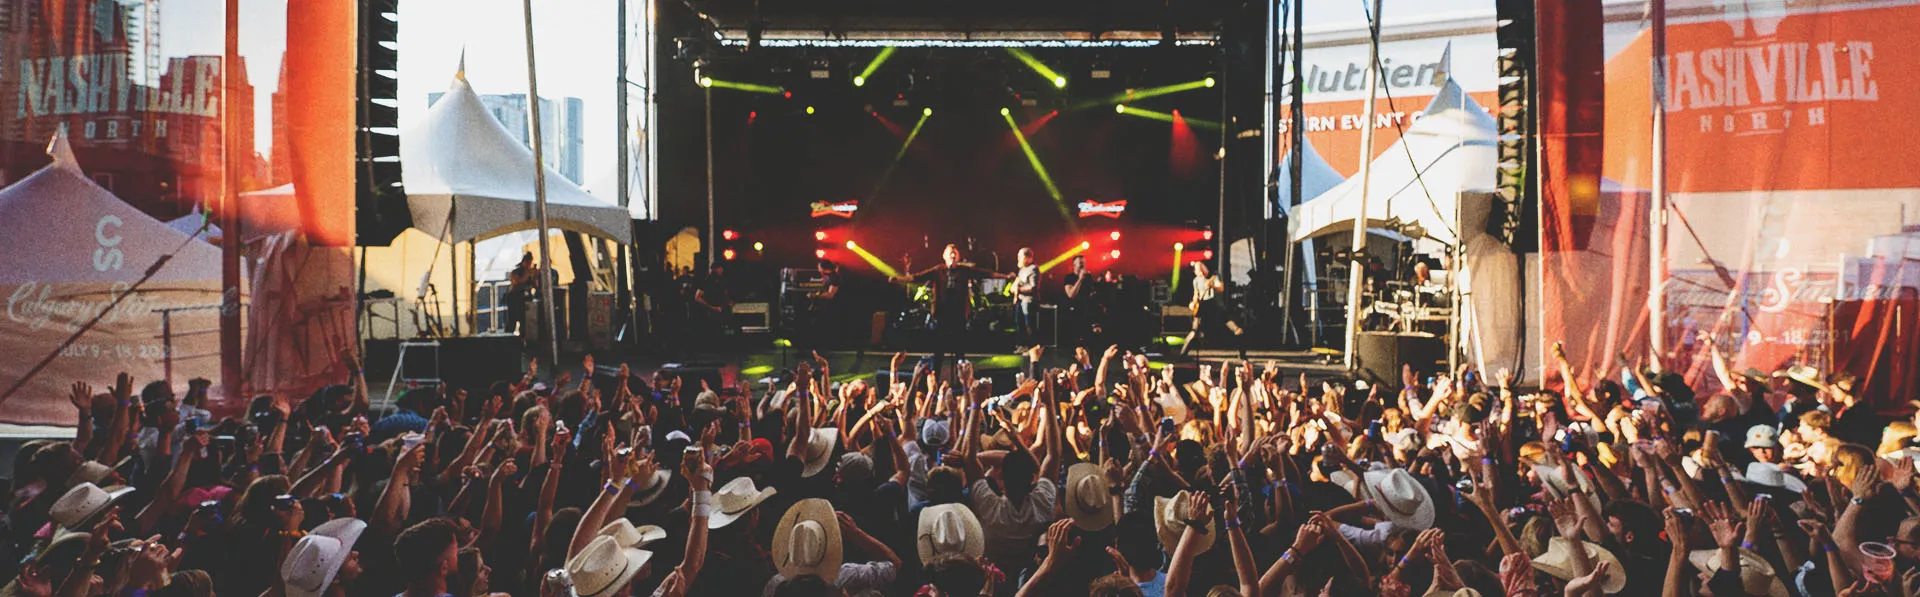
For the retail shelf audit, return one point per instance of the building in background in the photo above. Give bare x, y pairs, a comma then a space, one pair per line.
561, 125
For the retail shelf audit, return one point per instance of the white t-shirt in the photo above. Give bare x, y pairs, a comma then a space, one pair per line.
1011, 528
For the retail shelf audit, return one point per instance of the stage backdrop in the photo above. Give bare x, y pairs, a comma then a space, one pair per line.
143, 115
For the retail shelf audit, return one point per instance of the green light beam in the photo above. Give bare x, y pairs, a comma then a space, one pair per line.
1038, 67
1140, 94
874, 65
1076, 250
1175, 285
878, 265
888, 175
769, 90
1165, 117
1038, 168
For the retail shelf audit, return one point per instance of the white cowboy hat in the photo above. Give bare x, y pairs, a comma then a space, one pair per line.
1088, 499
84, 504
819, 450
91, 472
1762, 436
1771, 475
1806, 375
734, 500
626, 535
1172, 516
1756, 575
1558, 563
650, 489
604, 567
314, 562
1401, 498
807, 542
949, 529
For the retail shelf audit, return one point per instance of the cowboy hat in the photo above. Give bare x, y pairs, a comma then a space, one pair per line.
84, 504
314, 562
1401, 498
1171, 518
604, 567
626, 535
734, 500
1088, 499
1807, 376
949, 529
1558, 563
807, 542
1771, 475
1756, 575
819, 450
934, 432
650, 488
1762, 436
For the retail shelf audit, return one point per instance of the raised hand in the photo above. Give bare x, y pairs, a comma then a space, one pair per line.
1727, 529
1564, 518
1590, 582
82, 396
1516, 575
1061, 543
1309, 537
123, 388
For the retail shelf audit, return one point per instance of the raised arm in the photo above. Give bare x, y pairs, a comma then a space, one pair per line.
490, 515
392, 509
699, 480
1181, 568
1304, 542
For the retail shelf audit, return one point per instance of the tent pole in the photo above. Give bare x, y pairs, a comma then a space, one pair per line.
545, 283
623, 293
711, 247
230, 369
1356, 269
1657, 223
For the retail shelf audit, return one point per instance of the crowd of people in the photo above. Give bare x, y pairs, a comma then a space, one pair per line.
1097, 475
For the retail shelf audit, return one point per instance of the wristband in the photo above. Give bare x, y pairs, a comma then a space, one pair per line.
353, 371
134, 592
1288, 556
702, 503
1827, 547
634, 486
1486, 460
611, 488
1748, 545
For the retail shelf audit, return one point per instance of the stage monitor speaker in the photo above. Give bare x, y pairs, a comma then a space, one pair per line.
1380, 355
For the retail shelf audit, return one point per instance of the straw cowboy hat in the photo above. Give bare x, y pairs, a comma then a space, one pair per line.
1171, 517
1558, 563
819, 450
949, 529
314, 562
1756, 575
1401, 498
1807, 376
604, 567
807, 542
734, 500
1772, 475
1088, 499
84, 504
650, 488
626, 535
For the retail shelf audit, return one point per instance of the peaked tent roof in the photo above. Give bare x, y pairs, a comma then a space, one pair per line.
462, 168
1449, 150
70, 231
1316, 176
190, 224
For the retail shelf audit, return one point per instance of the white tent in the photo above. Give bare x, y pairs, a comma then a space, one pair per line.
74, 248
191, 224
1449, 150
467, 179
1316, 177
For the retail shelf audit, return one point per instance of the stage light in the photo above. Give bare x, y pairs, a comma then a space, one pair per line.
878, 264
1004, 112
706, 81
729, 234
1084, 245
820, 235
759, 246
1174, 283
1039, 169
1178, 246
926, 111
872, 65
1063, 257
786, 94
819, 253
851, 245
1206, 234
859, 81
1038, 67
1114, 254
1120, 108
1168, 117
1059, 81
736, 85
809, 110
727, 254
1209, 81
1134, 95
1207, 254
1115, 235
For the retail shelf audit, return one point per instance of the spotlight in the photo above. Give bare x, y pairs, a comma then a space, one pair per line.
851, 245
926, 111
729, 234
727, 254
1120, 108
819, 253
1085, 245
1206, 234
759, 246
1059, 81
706, 81
820, 235
809, 110
1176, 246
1207, 254
786, 94
1114, 254
859, 81
1209, 81
1004, 111
1115, 235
